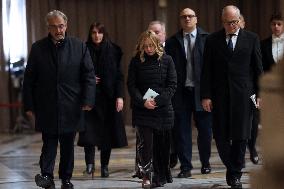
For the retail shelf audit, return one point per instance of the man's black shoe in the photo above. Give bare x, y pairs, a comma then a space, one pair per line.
254, 156
44, 181
228, 179
51, 187
236, 183
173, 160
184, 174
169, 177
205, 169
66, 184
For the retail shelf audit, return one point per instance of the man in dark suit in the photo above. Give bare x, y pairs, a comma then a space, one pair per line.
255, 120
186, 48
232, 65
272, 48
59, 84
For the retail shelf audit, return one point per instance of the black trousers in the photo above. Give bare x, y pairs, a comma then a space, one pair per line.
153, 147
161, 154
232, 154
90, 155
145, 149
254, 130
49, 151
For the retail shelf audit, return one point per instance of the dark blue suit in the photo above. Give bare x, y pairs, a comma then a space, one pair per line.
187, 102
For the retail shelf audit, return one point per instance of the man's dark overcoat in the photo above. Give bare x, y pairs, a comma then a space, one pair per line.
229, 79
58, 81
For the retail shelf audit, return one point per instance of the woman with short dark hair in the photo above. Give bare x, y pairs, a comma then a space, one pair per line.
104, 124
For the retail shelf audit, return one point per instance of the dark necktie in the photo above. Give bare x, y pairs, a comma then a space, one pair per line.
230, 42
189, 66
188, 47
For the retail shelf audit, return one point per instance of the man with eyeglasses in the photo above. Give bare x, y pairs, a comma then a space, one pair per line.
186, 48
229, 79
59, 84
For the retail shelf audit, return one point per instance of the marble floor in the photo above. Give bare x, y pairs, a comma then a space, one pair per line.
19, 155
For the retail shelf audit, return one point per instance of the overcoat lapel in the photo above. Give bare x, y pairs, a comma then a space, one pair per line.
179, 37
239, 41
222, 44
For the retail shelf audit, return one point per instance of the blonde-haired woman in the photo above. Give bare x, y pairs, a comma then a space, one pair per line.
150, 68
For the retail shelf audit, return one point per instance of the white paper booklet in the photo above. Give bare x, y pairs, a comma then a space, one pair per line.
150, 93
253, 98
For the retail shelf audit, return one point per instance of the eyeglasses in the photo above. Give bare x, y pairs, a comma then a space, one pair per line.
185, 16
232, 23
54, 27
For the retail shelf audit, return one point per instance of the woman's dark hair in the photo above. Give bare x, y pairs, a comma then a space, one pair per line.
276, 16
101, 29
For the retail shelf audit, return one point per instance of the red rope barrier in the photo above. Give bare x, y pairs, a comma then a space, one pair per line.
12, 105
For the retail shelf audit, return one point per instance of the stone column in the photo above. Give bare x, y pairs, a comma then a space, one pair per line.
4, 98
272, 133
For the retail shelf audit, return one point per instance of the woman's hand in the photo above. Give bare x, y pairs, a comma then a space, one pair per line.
30, 114
119, 104
150, 104
98, 80
207, 105
87, 108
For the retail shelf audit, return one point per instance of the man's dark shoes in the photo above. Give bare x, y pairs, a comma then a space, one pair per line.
44, 181
228, 179
169, 177
236, 183
66, 184
173, 160
254, 156
104, 171
184, 174
205, 169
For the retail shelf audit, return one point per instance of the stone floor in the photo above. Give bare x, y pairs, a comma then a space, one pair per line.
19, 155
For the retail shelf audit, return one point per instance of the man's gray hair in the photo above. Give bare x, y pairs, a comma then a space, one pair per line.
226, 8
158, 22
55, 13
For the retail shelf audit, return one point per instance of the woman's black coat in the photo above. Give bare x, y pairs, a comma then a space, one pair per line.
104, 125
160, 76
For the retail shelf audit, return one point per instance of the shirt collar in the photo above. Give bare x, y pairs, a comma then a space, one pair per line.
276, 39
235, 34
192, 34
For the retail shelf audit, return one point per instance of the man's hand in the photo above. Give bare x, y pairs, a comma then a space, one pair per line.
119, 104
150, 104
98, 80
258, 100
30, 114
87, 108
207, 104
